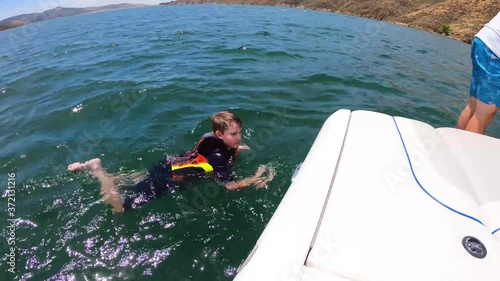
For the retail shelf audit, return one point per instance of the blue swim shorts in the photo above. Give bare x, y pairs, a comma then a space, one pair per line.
485, 82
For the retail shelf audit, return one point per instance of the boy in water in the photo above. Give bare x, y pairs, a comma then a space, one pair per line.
214, 154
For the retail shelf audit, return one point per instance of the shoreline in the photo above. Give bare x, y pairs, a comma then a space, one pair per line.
375, 19
458, 20
423, 19
124, 8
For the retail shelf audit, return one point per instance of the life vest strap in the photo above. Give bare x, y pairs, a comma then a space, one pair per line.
198, 162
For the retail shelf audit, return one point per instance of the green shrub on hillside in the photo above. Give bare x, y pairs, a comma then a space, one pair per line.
445, 28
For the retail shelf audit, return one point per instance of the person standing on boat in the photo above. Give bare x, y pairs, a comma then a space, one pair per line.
485, 83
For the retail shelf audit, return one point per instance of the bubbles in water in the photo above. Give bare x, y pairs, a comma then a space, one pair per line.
230, 271
248, 132
89, 244
97, 276
62, 145
3, 91
23, 156
25, 222
77, 108
136, 237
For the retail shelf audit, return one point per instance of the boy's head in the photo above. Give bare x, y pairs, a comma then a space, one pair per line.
227, 126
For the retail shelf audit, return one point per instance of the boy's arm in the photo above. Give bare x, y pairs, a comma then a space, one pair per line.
256, 179
235, 185
225, 176
223, 173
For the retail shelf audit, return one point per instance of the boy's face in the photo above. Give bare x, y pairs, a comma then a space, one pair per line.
231, 136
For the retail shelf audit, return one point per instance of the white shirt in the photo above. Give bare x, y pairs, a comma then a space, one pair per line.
490, 35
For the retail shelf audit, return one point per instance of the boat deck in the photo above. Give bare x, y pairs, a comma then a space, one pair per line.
386, 198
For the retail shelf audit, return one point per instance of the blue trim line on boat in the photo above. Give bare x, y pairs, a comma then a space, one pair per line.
426, 192
495, 231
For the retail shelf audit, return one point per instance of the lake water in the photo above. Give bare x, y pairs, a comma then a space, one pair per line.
134, 86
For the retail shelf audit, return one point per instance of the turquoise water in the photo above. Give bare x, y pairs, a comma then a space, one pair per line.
134, 86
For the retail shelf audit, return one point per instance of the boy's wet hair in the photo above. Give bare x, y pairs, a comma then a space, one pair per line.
223, 120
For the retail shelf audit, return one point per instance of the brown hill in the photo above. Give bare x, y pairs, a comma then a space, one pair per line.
459, 19
59, 12
11, 24
465, 18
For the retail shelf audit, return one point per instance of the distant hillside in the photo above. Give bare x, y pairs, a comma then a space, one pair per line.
460, 19
57, 13
11, 24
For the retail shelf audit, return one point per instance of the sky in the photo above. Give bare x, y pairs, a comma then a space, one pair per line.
10, 8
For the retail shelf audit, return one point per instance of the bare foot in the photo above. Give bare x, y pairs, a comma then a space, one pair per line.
91, 165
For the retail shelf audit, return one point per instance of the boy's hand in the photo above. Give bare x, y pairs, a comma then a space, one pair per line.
262, 181
258, 180
244, 183
243, 147
260, 171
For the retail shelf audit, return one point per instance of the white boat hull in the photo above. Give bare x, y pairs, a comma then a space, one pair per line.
386, 198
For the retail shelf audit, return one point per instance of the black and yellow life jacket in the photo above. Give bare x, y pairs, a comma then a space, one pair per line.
195, 162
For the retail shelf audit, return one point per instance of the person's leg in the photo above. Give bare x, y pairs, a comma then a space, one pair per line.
138, 195
482, 117
466, 114
108, 188
476, 76
485, 86
158, 182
